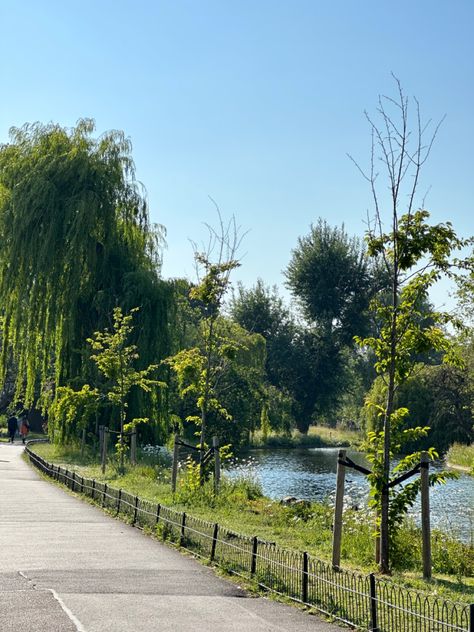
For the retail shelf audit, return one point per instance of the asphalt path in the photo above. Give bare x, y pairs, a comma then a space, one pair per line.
65, 566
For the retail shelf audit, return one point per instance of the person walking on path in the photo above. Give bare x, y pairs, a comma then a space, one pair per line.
24, 428
12, 424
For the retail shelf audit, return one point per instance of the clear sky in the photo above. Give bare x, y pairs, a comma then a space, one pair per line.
252, 102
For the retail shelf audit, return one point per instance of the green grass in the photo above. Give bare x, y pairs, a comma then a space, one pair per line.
461, 456
241, 507
317, 437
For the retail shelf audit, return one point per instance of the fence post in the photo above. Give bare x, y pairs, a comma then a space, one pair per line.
135, 510
93, 489
105, 439
214, 541
471, 617
119, 498
104, 495
82, 484
174, 471
183, 527
133, 448
253, 564
425, 514
217, 464
373, 604
66, 477
158, 509
338, 507
304, 579
83, 441
101, 440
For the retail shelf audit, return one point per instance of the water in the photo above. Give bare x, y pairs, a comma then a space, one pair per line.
310, 473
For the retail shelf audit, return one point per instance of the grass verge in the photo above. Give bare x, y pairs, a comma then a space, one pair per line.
317, 437
241, 507
461, 456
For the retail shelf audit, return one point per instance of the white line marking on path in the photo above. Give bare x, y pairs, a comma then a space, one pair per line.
74, 619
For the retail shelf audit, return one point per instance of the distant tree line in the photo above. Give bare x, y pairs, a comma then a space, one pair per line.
77, 243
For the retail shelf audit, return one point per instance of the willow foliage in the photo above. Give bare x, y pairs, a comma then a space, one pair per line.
76, 242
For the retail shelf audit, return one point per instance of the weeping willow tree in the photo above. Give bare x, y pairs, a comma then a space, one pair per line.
76, 242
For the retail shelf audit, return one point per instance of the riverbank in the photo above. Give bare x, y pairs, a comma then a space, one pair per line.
317, 437
242, 508
461, 457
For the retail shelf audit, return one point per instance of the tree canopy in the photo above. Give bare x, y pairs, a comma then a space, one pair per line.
76, 242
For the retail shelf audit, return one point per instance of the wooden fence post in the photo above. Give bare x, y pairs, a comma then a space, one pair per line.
105, 440
83, 441
338, 507
174, 471
101, 441
217, 464
133, 448
425, 514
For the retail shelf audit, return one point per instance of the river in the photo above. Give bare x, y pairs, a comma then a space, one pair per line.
310, 473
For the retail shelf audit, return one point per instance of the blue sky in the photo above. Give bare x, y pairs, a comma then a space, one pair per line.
255, 103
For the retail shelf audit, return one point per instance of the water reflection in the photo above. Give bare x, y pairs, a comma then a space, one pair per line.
310, 473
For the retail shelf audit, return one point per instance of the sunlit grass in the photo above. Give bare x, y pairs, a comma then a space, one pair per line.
241, 507
461, 455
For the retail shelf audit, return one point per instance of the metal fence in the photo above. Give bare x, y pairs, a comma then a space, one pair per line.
362, 601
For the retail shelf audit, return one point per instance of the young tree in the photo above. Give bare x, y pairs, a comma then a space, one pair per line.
415, 254
197, 368
115, 360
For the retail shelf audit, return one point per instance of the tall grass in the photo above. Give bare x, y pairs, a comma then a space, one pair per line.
461, 455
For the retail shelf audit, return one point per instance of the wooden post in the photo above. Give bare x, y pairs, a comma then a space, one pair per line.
133, 448
101, 441
174, 471
83, 441
338, 507
217, 464
105, 440
425, 514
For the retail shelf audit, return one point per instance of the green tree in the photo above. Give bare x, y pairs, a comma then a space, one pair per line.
330, 277
443, 395
115, 360
332, 280
197, 368
76, 241
415, 254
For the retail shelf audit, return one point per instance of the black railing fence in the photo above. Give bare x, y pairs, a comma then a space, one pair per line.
365, 602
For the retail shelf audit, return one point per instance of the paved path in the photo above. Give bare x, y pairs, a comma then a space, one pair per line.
66, 567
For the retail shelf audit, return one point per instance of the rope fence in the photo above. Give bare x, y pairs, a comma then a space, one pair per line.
363, 601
